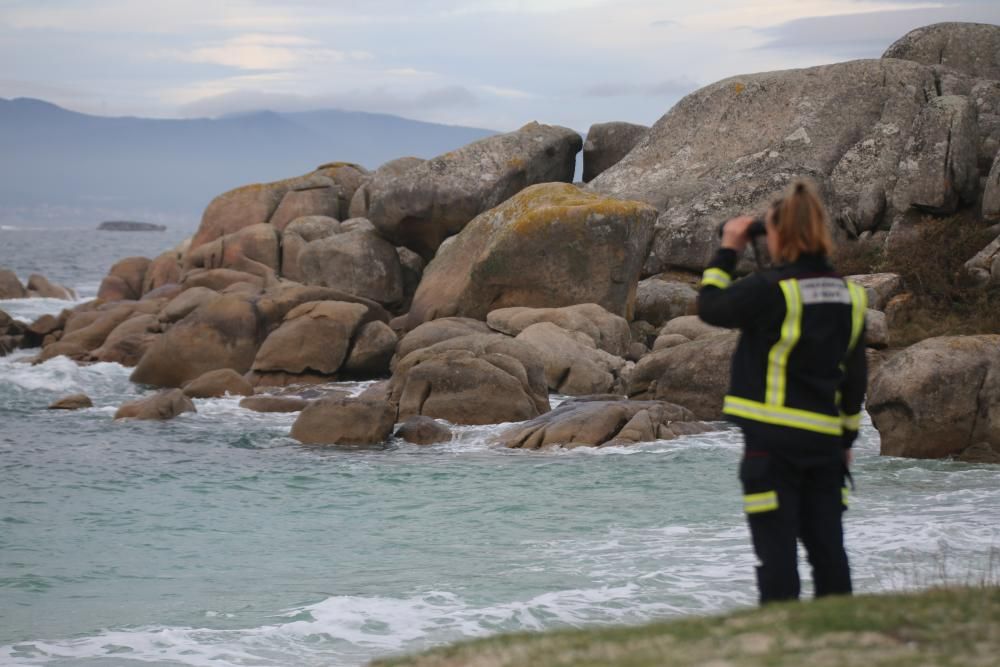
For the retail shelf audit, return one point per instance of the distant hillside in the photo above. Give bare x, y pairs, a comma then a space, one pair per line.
75, 168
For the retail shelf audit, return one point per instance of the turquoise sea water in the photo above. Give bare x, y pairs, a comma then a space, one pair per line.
215, 539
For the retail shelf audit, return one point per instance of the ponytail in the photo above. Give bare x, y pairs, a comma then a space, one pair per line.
802, 224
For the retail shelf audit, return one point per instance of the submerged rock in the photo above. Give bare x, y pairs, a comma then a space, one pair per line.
214, 384
72, 402
420, 430
274, 403
344, 421
164, 405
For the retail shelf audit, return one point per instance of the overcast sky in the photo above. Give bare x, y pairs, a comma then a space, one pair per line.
491, 63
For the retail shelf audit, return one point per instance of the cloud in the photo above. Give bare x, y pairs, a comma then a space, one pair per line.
262, 52
512, 93
666, 88
665, 23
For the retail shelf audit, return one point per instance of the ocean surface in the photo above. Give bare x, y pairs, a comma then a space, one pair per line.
215, 539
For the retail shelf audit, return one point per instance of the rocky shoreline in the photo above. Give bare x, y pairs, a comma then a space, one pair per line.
478, 282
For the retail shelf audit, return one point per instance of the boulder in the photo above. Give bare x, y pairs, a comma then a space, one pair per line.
357, 262
691, 327
880, 287
597, 423
279, 300
573, 364
186, 302
224, 333
376, 391
217, 383
435, 199
125, 279
475, 379
10, 286
607, 144
695, 375
429, 333
164, 292
315, 337
727, 148
128, 341
72, 402
372, 350
657, 301
319, 202
295, 237
985, 265
412, 267
164, 405
991, 193
274, 403
388, 171
348, 177
939, 166
219, 279
76, 343
667, 340
970, 48
40, 286
254, 249
608, 332
940, 398
344, 421
41, 327
423, 431
876, 329
550, 245
165, 269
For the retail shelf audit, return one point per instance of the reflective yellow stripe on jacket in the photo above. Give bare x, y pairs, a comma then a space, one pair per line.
859, 306
716, 278
782, 416
791, 330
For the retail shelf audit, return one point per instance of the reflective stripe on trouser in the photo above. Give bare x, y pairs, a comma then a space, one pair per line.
754, 503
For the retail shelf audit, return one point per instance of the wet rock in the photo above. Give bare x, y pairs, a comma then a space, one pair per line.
607, 331
274, 403
551, 245
423, 431
40, 286
607, 144
217, 383
476, 379
72, 402
344, 421
658, 301
940, 398
425, 204
10, 286
41, 327
162, 406
597, 423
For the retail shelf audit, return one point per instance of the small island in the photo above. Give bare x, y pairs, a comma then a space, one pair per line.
129, 226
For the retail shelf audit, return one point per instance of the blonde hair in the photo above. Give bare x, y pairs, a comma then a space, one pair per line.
801, 222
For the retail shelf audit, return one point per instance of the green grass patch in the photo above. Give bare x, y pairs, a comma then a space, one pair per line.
939, 627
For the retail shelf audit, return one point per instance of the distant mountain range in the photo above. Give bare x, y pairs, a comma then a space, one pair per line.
59, 166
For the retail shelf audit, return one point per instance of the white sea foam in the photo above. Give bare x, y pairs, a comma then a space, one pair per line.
29, 310
61, 374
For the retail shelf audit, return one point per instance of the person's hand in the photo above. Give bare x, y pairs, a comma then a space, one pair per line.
734, 234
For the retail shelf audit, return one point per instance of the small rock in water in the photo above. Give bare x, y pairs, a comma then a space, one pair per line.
274, 403
72, 402
164, 405
344, 421
214, 384
422, 430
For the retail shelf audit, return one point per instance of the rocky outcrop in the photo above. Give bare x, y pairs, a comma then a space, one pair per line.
10, 286
476, 379
40, 286
162, 406
344, 421
602, 423
385, 173
128, 342
550, 245
429, 333
694, 375
274, 403
691, 327
372, 350
185, 303
357, 262
607, 144
314, 338
125, 279
425, 204
297, 235
72, 402
165, 269
88, 331
573, 363
607, 331
423, 431
970, 48
253, 249
880, 287
223, 333
658, 300
940, 398
217, 383
729, 147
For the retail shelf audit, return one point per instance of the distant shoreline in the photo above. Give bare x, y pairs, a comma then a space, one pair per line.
130, 226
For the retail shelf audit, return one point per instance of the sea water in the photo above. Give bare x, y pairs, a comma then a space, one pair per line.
215, 539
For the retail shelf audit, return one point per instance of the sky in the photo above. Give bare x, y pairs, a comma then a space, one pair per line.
494, 63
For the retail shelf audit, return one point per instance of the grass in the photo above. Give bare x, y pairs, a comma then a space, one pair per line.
943, 298
939, 627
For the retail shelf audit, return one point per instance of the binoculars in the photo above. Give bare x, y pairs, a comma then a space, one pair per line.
755, 230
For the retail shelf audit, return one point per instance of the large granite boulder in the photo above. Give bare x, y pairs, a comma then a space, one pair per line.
985, 265
224, 333
10, 286
358, 262
88, 331
596, 423
607, 331
279, 300
550, 245
388, 171
425, 204
694, 374
221, 279
423, 431
125, 280
162, 406
939, 170
880, 287
658, 300
475, 379
940, 398
573, 363
729, 147
40, 286
184, 303
220, 382
372, 350
128, 342
165, 269
435, 331
344, 421
297, 234
314, 338
607, 144
970, 48
254, 249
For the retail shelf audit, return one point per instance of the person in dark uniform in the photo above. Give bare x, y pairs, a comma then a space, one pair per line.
797, 383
